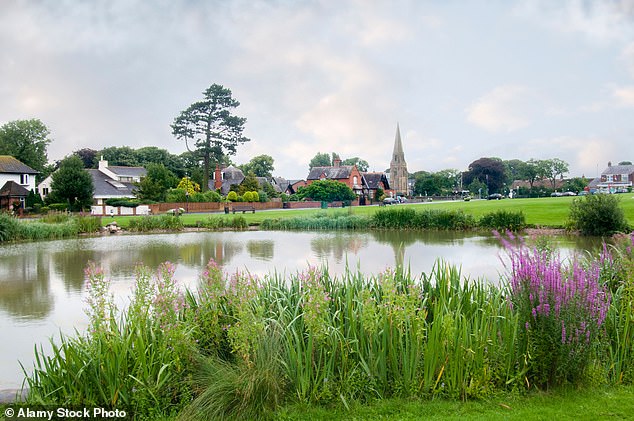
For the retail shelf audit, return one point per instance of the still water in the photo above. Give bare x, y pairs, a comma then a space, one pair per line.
42, 284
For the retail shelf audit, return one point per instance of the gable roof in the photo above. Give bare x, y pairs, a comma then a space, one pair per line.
618, 169
107, 187
10, 165
331, 173
373, 179
13, 189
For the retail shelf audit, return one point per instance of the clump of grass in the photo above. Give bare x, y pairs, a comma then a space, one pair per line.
319, 221
502, 220
156, 222
9, 226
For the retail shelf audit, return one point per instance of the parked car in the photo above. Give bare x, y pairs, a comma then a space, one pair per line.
556, 194
569, 193
390, 201
495, 196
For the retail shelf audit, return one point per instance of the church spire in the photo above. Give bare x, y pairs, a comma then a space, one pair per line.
398, 166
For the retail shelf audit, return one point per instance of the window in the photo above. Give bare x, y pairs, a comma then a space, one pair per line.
45, 191
354, 180
24, 179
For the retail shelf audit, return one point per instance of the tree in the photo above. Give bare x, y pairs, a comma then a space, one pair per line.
488, 171
27, 141
531, 172
157, 181
154, 155
250, 183
261, 166
598, 214
362, 165
71, 184
320, 160
625, 163
552, 168
210, 124
88, 156
328, 191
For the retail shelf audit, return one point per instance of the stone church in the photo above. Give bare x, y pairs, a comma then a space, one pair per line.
398, 167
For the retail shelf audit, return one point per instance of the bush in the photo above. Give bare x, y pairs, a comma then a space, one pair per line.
248, 196
232, 196
155, 222
597, 214
126, 203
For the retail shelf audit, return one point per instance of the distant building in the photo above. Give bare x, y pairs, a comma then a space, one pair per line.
398, 167
346, 174
16, 181
110, 182
614, 179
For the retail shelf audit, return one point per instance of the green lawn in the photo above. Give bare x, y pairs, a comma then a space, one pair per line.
549, 212
585, 404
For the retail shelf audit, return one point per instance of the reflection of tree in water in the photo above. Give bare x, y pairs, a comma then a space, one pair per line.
24, 286
261, 249
69, 265
338, 245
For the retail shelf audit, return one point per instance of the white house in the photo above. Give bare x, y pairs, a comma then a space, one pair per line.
16, 181
110, 182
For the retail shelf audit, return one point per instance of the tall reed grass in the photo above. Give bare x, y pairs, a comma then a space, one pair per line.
156, 222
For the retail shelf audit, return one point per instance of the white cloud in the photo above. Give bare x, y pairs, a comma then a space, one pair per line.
625, 96
504, 109
627, 56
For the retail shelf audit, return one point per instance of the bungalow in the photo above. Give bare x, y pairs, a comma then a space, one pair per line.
16, 181
110, 182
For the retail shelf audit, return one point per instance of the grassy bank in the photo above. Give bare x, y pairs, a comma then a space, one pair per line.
545, 212
244, 347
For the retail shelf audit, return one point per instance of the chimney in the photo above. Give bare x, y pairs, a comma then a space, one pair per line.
217, 178
102, 163
609, 163
336, 162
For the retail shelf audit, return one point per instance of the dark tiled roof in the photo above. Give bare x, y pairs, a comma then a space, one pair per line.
619, 169
13, 189
331, 173
107, 187
128, 171
9, 164
373, 179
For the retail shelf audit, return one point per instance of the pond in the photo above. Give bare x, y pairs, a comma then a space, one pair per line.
42, 284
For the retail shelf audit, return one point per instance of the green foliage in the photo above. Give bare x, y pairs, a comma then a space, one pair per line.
502, 220
33, 200
211, 126
127, 203
328, 191
72, 184
87, 224
320, 221
490, 172
408, 218
597, 214
232, 196
320, 160
27, 141
260, 166
248, 196
155, 222
8, 227
177, 196
157, 181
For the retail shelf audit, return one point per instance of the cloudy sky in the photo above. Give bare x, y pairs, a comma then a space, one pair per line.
464, 79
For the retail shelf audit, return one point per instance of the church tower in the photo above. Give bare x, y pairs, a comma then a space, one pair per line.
398, 167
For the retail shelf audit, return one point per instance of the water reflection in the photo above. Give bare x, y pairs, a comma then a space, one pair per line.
41, 284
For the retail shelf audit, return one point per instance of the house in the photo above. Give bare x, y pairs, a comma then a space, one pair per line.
110, 182
16, 181
376, 181
224, 178
614, 179
347, 174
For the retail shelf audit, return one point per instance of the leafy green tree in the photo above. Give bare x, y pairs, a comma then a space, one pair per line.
250, 183
210, 124
625, 163
362, 165
261, 166
71, 184
488, 171
328, 191
576, 184
154, 155
552, 169
188, 185
320, 160
531, 172
157, 181
27, 141
123, 156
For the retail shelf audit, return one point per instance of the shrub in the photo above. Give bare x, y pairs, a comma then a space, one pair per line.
248, 196
155, 222
212, 196
597, 214
127, 203
255, 196
232, 196
87, 224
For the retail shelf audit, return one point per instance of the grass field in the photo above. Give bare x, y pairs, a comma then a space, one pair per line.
590, 404
546, 212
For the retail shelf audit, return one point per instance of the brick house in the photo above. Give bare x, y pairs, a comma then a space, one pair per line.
614, 179
347, 174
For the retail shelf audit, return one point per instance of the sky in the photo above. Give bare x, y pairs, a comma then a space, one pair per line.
463, 79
